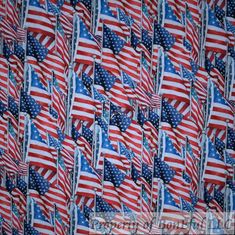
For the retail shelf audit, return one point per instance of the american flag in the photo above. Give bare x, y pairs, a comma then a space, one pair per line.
88, 180
39, 220
39, 148
122, 184
171, 77
112, 45
214, 165
217, 106
170, 20
216, 36
167, 206
112, 111
163, 170
106, 16
82, 104
81, 223
84, 39
37, 20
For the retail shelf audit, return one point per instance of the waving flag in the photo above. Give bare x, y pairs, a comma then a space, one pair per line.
215, 168
104, 209
58, 223
192, 34
107, 150
119, 119
162, 37
84, 40
107, 17
39, 220
37, 19
129, 61
37, 182
123, 185
30, 230
216, 37
231, 142
112, 45
171, 80
129, 86
62, 43
5, 204
103, 77
171, 22
170, 155
112, 86
163, 170
168, 206
220, 111
88, 180
38, 149
81, 223
37, 90
82, 106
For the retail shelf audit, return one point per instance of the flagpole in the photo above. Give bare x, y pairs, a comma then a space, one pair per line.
140, 68
11, 211
102, 40
54, 219
57, 168
226, 77
1, 44
225, 161
95, 202
69, 102
208, 217
157, 71
229, 69
109, 110
18, 131
158, 201
226, 203
32, 209
203, 152
190, 98
25, 62
161, 8
27, 161
185, 154
23, 20
56, 33
204, 138
71, 217
8, 127
153, 157
94, 141
73, 191
160, 76
93, 14
151, 68
27, 196
141, 162
203, 33
141, 38
93, 84
102, 176
27, 128
70, 75
22, 13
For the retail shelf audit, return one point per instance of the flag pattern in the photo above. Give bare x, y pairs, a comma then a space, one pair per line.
112, 111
